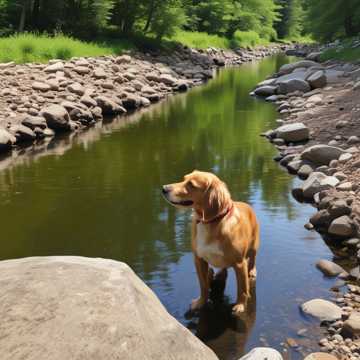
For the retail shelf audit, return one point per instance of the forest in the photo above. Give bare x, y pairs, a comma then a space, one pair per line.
239, 22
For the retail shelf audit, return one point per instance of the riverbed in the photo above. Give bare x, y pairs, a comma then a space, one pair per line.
98, 194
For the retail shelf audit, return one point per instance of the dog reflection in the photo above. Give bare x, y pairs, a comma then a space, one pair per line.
215, 323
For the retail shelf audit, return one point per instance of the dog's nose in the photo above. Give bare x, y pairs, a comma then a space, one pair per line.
165, 189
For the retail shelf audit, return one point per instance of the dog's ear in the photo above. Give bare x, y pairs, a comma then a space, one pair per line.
219, 198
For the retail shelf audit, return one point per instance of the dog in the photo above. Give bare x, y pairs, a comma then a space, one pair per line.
225, 234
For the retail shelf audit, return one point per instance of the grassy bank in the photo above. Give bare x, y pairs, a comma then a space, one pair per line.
41, 48
202, 40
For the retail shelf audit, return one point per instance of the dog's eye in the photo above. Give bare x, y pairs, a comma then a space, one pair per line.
191, 184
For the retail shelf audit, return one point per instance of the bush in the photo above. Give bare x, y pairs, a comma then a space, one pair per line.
201, 40
246, 39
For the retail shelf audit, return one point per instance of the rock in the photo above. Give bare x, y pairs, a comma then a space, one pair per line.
293, 132
108, 106
294, 166
305, 171
339, 208
343, 158
288, 68
317, 80
54, 68
6, 140
321, 218
262, 353
37, 85
57, 118
77, 89
317, 182
100, 74
353, 140
33, 122
320, 356
289, 86
329, 268
352, 325
131, 102
346, 186
94, 308
167, 79
22, 133
323, 310
266, 90
355, 272
123, 59
88, 101
314, 56
342, 226
321, 154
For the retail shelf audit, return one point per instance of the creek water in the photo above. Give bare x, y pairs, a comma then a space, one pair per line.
98, 194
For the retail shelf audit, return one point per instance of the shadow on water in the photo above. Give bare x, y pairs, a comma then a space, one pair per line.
98, 194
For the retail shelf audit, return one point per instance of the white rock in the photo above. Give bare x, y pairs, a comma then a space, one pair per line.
262, 353
323, 310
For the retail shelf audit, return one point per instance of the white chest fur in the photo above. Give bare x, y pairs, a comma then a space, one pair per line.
209, 251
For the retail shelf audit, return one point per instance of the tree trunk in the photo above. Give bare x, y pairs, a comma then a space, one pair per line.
348, 25
22, 17
150, 16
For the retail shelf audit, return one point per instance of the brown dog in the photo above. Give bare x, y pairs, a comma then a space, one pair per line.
224, 233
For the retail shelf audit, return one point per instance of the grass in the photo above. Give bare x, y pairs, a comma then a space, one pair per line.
202, 40
345, 51
303, 39
41, 48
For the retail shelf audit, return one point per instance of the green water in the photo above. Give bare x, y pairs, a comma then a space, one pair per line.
98, 194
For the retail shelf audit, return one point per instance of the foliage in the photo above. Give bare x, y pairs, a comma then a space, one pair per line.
201, 40
29, 47
346, 51
292, 19
328, 20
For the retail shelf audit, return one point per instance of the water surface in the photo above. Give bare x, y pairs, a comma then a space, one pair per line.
99, 195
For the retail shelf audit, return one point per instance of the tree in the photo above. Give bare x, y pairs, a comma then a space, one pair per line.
291, 19
328, 20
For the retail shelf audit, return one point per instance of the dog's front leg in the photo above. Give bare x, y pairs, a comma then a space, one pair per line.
243, 287
202, 269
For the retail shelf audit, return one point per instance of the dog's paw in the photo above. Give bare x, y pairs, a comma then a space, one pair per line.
197, 304
238, 309
253, 274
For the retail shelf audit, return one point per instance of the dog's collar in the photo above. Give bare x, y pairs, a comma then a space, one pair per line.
227, 212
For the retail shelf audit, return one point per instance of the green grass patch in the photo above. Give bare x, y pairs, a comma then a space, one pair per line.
345, 52
28, 47
304, 39
200, 40
247, 39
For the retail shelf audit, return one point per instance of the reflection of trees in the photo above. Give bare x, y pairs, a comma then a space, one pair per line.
105, 201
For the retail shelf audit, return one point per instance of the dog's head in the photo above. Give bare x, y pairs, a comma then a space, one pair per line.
203, 191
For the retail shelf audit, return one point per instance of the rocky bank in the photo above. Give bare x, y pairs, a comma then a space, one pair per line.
318, 139
40, 101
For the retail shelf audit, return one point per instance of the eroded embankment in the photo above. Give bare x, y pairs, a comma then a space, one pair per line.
318, 139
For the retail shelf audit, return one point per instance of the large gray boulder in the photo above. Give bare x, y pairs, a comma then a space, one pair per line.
80, 308
262, 353
288, 68
57, 117
108, 106
292, 85
293, 132
317, 80
323, 310
321, 154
